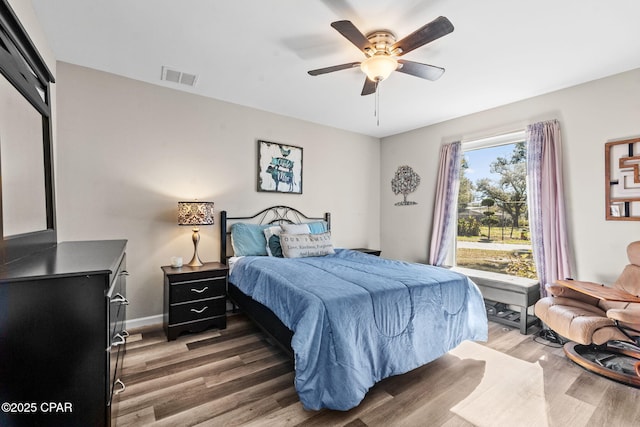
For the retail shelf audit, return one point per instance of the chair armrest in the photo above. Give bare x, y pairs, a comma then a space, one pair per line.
629, 315
558, 290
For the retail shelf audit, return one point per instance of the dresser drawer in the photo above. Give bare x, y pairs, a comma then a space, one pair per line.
116, 356
191, 290
117, 313
197, 310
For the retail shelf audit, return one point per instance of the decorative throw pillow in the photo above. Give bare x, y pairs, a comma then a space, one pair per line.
248, 239
306, 245
272, 236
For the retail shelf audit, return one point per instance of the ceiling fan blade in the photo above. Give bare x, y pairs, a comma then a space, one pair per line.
435, 29
351, 33
424, 71
369, 87
334, 68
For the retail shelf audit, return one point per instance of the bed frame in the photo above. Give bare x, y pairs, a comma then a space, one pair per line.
259, 314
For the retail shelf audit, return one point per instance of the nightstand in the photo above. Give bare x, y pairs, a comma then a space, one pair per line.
194, 298
375, 252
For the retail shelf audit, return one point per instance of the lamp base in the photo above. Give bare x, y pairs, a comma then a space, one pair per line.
195, 261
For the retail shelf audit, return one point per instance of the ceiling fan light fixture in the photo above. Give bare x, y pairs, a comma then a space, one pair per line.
379, 67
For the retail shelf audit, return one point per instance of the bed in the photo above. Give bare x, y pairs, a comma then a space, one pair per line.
348, 319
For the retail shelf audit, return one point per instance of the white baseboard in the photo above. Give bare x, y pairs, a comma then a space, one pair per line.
144, 321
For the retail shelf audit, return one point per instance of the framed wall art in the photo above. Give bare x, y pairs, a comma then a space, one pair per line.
279, 167
622, 180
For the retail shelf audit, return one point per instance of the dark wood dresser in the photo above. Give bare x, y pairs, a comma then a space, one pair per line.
62, 335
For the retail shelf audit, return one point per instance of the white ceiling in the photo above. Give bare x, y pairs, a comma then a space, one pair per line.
257, 52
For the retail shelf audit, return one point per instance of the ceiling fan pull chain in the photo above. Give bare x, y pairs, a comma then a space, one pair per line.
375, 103
377, 114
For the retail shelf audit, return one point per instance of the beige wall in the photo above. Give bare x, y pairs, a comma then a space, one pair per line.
129, 151
589, 114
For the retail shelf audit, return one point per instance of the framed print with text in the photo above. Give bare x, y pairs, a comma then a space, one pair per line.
279, 167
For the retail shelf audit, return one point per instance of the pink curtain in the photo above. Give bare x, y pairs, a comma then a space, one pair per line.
444, 212
547, 213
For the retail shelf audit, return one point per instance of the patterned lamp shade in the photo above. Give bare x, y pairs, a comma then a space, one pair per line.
195, 213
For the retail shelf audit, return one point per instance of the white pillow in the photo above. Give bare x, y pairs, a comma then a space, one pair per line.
296, 228
306, 245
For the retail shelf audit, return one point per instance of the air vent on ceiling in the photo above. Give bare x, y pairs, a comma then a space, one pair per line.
179, 77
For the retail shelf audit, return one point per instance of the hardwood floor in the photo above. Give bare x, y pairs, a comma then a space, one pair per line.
235, 377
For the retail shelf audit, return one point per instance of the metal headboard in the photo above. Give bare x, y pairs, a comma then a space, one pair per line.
273, 215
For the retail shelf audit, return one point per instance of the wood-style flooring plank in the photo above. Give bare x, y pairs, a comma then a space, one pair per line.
215, 409
429, 392
376, 397
187, 400
140, 418
618, 407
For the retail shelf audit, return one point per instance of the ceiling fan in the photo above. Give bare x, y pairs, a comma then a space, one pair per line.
382, 52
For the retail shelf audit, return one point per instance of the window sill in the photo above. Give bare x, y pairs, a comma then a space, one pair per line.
486, 277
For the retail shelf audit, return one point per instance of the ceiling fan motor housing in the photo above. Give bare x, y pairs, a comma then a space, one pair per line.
381, 43
381, 61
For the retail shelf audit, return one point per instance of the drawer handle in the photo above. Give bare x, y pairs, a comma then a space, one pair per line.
119, 339
199, 291
199, 311
122, 386
119, 298
124, 273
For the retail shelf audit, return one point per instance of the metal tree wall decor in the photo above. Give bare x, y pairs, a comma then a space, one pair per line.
405, 181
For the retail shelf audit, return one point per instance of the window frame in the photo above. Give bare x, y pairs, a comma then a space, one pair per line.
473, 144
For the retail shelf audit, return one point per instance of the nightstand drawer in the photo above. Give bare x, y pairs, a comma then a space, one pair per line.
197, 310
198, 289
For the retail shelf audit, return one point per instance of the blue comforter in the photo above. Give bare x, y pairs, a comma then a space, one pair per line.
358, 318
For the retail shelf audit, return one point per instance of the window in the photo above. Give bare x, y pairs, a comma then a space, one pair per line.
492, 225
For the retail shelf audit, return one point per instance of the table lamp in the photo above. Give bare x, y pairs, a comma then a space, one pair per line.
195, 214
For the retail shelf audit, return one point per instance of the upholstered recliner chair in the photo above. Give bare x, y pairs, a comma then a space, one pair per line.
605, 333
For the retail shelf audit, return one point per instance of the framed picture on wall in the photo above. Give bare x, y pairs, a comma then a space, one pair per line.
279, 167
622, 180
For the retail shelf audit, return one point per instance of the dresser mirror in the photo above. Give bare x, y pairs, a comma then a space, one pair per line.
24, 207
27, 211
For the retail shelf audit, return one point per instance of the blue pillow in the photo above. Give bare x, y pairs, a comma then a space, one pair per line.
248, 239
317, 227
